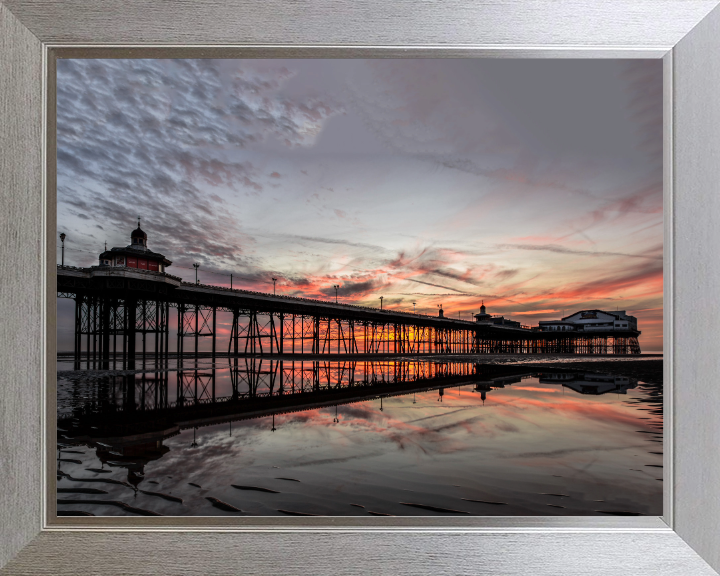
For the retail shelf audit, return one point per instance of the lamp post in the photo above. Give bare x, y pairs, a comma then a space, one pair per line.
274, 280
414, 307
230, 281
62, 239
196, 266
381, 299
336, 286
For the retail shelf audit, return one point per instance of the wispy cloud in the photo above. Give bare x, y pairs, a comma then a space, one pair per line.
152, 135
565, 250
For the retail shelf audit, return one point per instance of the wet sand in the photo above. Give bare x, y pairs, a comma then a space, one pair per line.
647, 368
650, 371
528, 446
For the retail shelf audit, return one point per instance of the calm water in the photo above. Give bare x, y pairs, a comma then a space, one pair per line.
355, 438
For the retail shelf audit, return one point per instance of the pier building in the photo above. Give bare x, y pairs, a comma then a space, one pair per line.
485, 318
591, 321
135, 255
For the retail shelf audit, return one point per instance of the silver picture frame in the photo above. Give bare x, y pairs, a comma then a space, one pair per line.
684, 33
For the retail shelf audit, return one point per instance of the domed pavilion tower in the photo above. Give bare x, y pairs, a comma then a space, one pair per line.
135, 255
483, 316
138, 238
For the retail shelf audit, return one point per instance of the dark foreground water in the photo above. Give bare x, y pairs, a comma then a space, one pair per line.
357, 438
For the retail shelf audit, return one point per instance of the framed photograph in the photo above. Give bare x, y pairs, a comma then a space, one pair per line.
355, 299
273, 287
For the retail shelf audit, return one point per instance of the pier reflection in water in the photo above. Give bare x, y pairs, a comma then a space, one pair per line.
270, 437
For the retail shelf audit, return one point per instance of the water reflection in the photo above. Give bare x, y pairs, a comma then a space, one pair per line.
269, 437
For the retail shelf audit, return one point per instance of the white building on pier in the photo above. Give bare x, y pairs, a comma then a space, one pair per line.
592, 321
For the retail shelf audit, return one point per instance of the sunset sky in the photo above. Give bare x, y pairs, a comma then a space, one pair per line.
534, 185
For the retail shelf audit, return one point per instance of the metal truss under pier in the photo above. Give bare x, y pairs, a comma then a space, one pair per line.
277, 333
115, 305
108, 328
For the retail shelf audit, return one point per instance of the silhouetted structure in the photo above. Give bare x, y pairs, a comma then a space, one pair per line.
135, 255
588, 321
116, 302
485, 318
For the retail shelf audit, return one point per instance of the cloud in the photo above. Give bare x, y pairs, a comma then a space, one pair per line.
645, 91
524, 123
353, 288
533, 312
436, 285
564, 250
647, 278
340, 241
148, 137
506, 274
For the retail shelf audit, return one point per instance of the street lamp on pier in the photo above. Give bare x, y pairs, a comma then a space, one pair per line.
414, 307
381, 299
62, 239
336, 286
274, 280
196, 266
